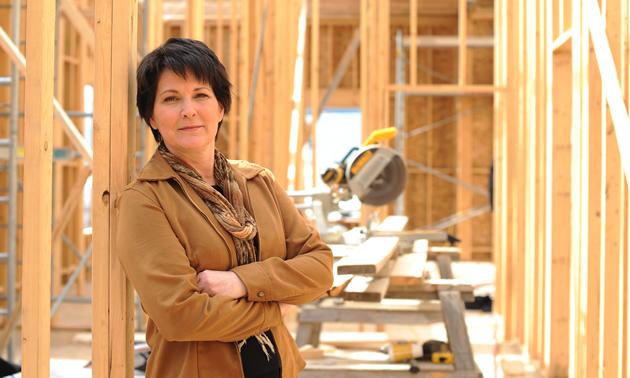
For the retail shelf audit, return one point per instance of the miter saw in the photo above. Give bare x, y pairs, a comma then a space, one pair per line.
376, 174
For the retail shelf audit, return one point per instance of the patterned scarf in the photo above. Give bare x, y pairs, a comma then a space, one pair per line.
228, 209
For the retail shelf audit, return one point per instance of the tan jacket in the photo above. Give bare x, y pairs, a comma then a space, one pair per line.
166, 235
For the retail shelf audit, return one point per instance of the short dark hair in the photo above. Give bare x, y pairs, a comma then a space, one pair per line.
179, 55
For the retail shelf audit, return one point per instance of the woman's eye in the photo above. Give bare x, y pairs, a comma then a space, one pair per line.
202, 95
169, 99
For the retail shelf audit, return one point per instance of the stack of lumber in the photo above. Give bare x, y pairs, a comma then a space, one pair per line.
376, 270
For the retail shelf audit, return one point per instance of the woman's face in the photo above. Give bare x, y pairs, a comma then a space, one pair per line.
186, 113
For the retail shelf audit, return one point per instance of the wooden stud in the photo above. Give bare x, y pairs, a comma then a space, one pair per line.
101, 351
366, 289
499, 147
509, 170
611, 309
558, 222
462, 21
364, 64
58, 168
464, 173
195, 19
314, 83
428, 62
597, 117
413, 47
38, 128
122, 171
232, 122
219, 43
244, 81
539, 188
155, 38
297, 115
156, 24
530, 119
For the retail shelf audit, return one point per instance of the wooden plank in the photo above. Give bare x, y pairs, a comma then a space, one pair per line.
444, 265
519, 195
340, 281
612, 264
558, 221
122, 171
434, 285
310, 352
541, 124
369, 257
445, 89
393, 223
364, 65
101, 191
545, 102
297, 113
219, 42
457, 331
462, 23
579, 189
233, 67
244, 82
195, 19
499, 154
408, 293
367, 289
409, 236
156, 25
530, 193
38, 130
413, 45
389, 311
314, 94
408, 269
464, 173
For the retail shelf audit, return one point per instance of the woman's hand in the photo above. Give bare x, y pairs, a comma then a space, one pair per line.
284, 307
216, 282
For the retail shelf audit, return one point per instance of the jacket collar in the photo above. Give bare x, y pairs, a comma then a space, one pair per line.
158, 169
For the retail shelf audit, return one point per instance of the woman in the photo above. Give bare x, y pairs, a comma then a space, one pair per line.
215, 249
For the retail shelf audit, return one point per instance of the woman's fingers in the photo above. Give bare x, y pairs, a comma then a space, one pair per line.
214, 282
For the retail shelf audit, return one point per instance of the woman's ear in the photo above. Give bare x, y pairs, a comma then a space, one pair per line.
151, 123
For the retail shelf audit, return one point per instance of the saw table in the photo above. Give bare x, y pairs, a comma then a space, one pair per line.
374, 283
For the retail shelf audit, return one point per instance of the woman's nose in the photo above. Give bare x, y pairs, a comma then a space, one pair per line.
188, 109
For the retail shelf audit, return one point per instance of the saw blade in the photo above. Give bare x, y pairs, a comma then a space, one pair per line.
377, 175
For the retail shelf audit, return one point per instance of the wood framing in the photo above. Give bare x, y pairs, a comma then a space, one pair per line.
195, 19
112, 331
38, 184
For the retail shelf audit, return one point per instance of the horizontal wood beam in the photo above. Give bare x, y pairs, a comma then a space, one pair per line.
446, 41
446, 90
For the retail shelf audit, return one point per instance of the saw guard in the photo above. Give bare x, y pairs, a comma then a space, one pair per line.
376, 174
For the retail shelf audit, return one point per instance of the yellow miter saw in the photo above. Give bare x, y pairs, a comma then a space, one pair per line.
376, 174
